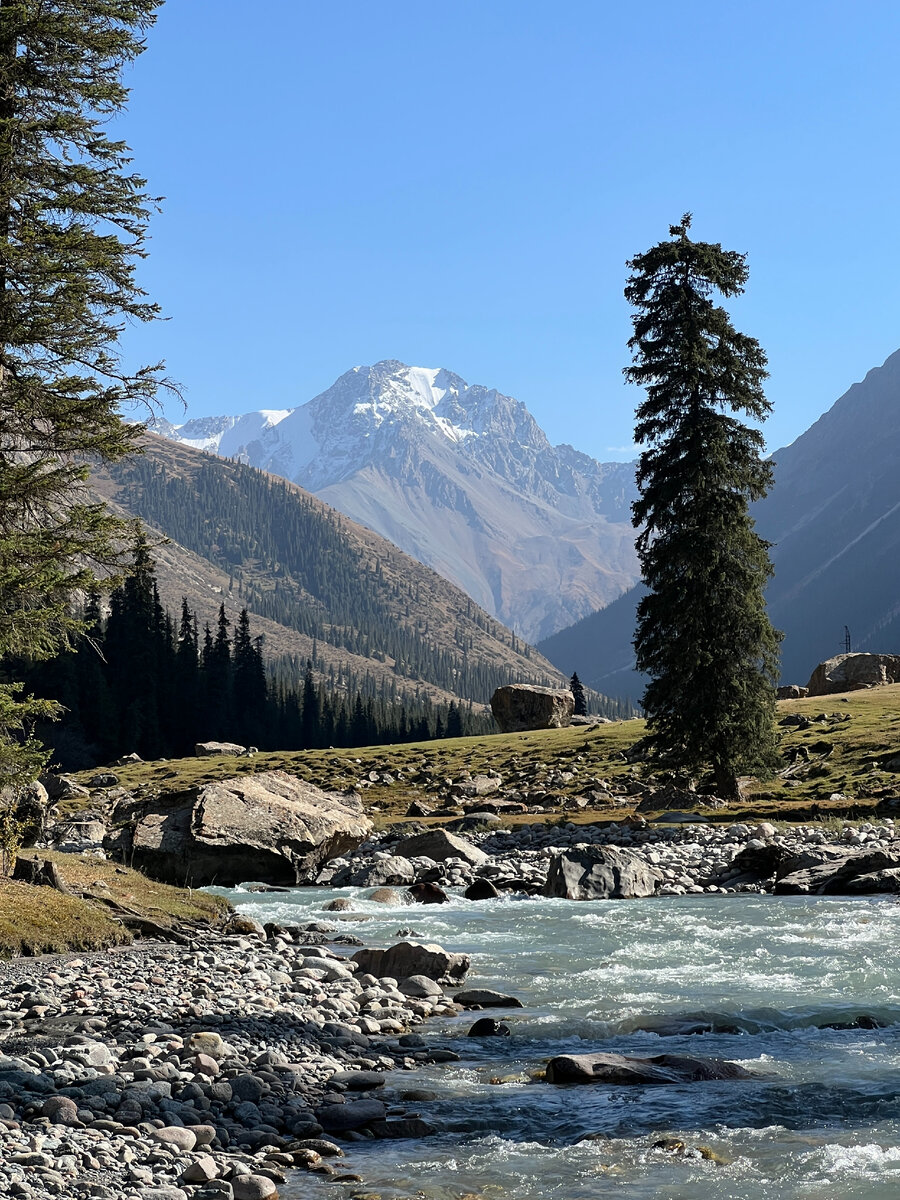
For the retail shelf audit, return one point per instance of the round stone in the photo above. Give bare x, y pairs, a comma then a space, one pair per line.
254, 1187
177, 1136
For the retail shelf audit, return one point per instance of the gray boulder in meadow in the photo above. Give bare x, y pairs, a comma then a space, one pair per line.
849, 672
518, 707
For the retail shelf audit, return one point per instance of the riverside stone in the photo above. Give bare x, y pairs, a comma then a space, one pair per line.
407, 959
601, 873
272, 827
439, 845
254, 1187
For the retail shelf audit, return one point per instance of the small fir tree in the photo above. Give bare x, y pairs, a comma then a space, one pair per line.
576, 687
703, 634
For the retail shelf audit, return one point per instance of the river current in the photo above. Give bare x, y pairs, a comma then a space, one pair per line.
804, 993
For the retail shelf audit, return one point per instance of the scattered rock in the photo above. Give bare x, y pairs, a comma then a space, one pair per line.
439, 845
214, 749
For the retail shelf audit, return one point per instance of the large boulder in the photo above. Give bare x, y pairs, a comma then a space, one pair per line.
387, 871
848, 672
439, 845
840, 871
623, 1069
601, 873
271, 827
521, 706
406, 959
217, 749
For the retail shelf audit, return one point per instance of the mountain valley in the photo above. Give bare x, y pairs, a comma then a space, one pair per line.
459, 477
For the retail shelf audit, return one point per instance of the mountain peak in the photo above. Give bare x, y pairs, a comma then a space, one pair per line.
461, 477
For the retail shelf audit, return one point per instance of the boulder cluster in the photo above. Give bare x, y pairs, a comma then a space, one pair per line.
619, 860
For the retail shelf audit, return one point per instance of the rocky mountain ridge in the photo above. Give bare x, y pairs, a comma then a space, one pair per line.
833, 518
460, 477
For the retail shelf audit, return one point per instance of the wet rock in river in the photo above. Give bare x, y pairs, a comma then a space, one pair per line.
485, 998
656, 1070
488, 1027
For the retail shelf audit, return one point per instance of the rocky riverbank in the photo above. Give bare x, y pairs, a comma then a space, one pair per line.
683, 858
205, 1071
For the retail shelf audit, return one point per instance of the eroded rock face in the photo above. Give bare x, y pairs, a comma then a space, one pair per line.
624, 1069
848, 672
601, 873
406, 959
519, 706
270, 827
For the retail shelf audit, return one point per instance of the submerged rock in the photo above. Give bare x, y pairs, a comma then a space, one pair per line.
624, 1069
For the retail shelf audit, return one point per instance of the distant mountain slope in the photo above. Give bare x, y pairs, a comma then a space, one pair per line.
313, 576
834, 518
460, 477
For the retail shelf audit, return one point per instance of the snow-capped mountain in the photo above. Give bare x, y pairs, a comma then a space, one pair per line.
461, 477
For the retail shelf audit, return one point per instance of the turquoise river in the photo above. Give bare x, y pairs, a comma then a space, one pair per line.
805, 993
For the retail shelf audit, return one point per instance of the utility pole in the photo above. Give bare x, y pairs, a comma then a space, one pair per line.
846, 639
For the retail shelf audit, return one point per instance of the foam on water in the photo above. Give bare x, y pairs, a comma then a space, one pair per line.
767, 978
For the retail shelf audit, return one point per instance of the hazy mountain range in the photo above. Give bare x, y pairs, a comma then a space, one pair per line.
461, 478
833, 517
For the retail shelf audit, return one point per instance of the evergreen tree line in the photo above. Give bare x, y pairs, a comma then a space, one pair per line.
290, 561
142, 682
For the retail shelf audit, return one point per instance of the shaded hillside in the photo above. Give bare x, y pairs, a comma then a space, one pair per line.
833, 517
307, 570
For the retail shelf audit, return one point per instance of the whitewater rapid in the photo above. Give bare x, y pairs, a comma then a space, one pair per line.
802, 992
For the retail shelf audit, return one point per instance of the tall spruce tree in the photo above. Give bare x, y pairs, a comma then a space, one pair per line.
703, 634
72, 223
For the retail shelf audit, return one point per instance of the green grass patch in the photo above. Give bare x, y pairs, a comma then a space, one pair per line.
42, 920
844, 758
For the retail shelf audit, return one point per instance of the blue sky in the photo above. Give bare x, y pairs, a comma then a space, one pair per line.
460, 184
